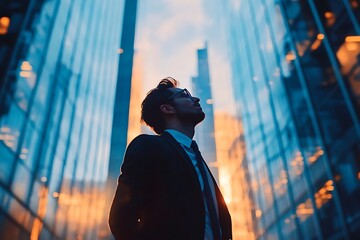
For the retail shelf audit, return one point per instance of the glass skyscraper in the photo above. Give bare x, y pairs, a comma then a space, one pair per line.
59, 61
296, 74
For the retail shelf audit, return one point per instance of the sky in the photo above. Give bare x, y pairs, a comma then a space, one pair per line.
168, 34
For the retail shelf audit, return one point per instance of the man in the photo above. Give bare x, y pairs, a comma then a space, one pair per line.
165, 190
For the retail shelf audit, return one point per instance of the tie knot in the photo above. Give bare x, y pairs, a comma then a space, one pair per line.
194, 146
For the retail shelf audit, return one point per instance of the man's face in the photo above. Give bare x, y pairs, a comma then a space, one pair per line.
187, 107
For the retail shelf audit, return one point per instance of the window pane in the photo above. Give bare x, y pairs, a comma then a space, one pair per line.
10, 127
21, 182
6, 162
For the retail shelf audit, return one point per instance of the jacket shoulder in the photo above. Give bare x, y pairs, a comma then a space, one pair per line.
144, 138
145, 142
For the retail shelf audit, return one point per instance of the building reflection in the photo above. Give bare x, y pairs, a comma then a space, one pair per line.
58, 67
233, 173
295, 72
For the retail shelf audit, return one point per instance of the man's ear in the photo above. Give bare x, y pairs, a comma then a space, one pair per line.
168, 109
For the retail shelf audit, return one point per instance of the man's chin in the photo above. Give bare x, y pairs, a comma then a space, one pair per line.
192, 118
199, 118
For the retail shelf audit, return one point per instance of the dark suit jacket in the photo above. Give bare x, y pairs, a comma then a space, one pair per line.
159, 196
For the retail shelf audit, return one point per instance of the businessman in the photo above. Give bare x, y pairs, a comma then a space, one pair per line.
165, 190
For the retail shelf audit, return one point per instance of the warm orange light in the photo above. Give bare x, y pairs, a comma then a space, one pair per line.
37, 225
324, 194
351, 46
26, 66
4, 25
304, 210
55, 194
258, 213
120, 50
77, 205
329, 183
319, 152
5, 21
226, 185
230, 152
290, 56
136, 96
25, 74
329, 14
209, 101
352, 39
320, 36
316, 44
312, 159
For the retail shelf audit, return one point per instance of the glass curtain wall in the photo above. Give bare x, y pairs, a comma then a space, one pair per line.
295, 67
56, 101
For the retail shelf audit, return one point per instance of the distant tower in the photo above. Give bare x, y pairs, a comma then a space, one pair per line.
205, 131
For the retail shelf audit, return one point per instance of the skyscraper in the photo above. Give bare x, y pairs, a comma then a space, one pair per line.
295, 72
123, 90
233, 174
205, 130
56, 107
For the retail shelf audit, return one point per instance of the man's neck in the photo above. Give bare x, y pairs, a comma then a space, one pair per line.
189, 131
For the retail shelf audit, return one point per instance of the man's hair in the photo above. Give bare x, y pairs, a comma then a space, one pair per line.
151, 114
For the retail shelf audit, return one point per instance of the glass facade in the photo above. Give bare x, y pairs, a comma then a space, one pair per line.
233, 173
295, 67
56, 101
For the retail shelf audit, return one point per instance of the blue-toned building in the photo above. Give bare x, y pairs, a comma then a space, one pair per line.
204, 134
295, 71
59, 61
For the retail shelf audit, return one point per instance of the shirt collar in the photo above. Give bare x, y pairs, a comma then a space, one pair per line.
180, 137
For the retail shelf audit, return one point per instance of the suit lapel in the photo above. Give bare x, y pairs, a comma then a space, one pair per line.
185, 158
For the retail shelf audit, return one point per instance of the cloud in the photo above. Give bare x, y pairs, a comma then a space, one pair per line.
168, 34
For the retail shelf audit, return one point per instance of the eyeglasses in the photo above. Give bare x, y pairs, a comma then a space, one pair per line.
182, 94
